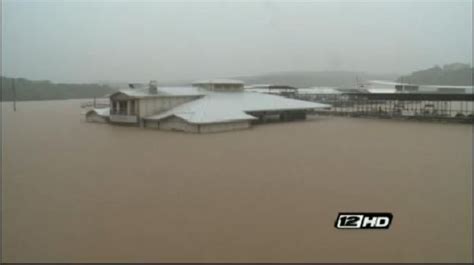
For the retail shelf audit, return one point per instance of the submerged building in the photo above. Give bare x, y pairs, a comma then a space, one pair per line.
282, 90
206, 106
377, 86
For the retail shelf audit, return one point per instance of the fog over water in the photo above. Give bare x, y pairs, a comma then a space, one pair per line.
87, 41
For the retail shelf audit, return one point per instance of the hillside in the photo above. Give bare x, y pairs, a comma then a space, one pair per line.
46, 90
451, 74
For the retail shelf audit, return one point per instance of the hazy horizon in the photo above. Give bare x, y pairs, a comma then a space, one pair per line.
79, 41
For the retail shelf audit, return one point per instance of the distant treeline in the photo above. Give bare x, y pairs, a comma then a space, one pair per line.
458, 74
450, 74
46, 90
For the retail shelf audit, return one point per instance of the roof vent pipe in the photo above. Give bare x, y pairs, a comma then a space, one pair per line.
153, 87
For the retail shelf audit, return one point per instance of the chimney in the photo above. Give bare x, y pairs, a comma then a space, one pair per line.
153, 87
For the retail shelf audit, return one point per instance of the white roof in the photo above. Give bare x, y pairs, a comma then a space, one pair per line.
163, 92
232, 106
379, 82
381, 90
383, 82
385, 87
318, 90
377, 86
219, 81
445, 86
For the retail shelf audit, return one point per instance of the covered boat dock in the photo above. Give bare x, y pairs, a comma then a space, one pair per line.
419, 106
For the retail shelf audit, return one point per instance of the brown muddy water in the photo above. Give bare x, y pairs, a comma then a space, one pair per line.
83, 192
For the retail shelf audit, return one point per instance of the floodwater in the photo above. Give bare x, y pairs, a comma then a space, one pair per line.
82, 192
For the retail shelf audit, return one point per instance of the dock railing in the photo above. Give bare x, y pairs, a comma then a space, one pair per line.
420, 106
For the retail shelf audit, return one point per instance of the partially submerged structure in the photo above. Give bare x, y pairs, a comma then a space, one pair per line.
389, 99
385, 87
206, 106
98, 115
282, 90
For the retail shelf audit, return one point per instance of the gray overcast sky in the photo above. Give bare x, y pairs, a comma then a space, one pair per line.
70, 41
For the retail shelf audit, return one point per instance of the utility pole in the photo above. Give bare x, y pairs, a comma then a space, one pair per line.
14, 94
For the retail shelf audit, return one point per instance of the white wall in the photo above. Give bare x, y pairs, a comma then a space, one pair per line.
174, 123
222, 127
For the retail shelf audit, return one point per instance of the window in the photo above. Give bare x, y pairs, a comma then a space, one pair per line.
123, 107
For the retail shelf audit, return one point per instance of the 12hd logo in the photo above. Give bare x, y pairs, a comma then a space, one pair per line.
364, 220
